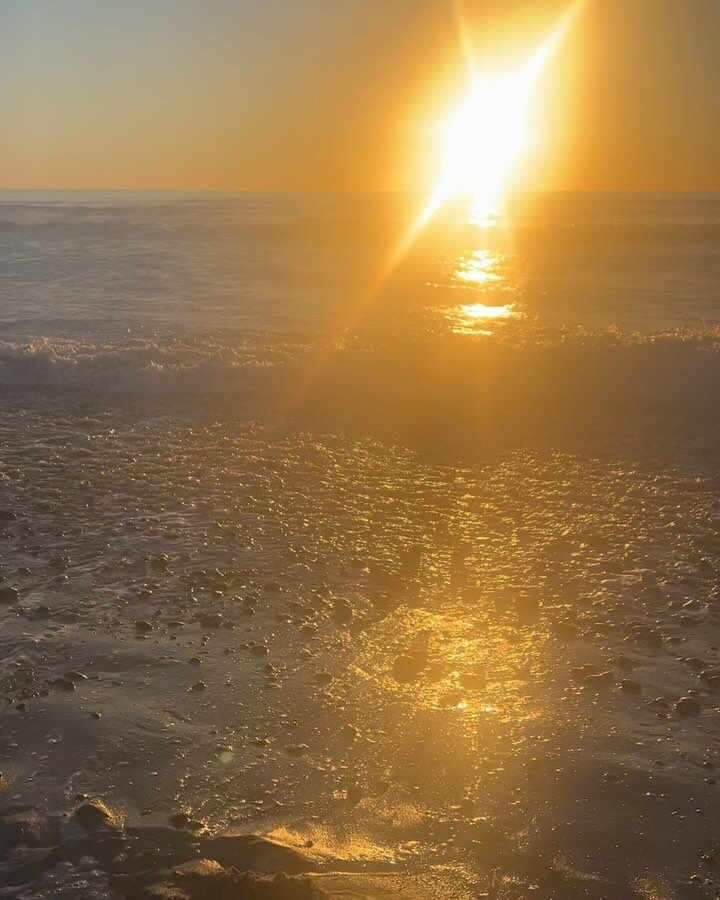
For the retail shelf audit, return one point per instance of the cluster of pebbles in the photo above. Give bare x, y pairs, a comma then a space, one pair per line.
93, 852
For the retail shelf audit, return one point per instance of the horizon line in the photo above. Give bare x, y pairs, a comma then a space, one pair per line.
405, 191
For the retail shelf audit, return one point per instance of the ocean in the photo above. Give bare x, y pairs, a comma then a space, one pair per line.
397, 545
85, 265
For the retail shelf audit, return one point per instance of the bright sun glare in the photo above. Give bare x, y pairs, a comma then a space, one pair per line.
484, 138
483, 141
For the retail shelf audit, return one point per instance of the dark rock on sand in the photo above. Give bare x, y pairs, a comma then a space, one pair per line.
8, 594
248, 851
688, 706
630, 687
165, 892
26, 829
205, 879
143, 626
473, 681
296, 749
94, 814
651, 638
527, 606
74, 676
599, 682
155, 861
408, 666
40, 612
624, 662
350, 732
185, 820
343, 612
564, 630
578, 673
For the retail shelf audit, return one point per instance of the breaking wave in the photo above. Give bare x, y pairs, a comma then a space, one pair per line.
449, 388
118, 368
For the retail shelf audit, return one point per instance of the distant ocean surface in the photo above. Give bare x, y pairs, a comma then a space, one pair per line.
83, 265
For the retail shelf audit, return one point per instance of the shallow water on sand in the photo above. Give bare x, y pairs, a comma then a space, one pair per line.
389, 648
423, 608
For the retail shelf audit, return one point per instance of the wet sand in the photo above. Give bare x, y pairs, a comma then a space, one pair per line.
424, 677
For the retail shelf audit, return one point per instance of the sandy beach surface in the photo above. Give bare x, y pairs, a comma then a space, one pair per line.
496, 679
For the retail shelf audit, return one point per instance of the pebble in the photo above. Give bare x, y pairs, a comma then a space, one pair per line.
600, 681
581, 672
624, 662
74, 676
564, 630
297, 749
185, 820
92, 815
473, 681
407, 667
688, 706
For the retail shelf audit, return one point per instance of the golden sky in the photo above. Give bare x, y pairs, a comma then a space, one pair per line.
344, 94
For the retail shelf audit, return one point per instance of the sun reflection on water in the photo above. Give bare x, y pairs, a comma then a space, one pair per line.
481, 267
483, 272
481, 311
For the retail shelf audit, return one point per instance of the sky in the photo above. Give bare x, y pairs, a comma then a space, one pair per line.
346, 94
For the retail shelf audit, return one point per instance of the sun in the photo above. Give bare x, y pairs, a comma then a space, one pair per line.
483, 141
484, 138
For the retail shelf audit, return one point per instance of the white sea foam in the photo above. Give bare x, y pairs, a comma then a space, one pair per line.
455, 380
137, 367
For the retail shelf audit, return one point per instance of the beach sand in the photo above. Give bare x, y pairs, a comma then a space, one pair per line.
426, 678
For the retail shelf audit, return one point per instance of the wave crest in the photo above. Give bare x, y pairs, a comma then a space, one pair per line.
455, 388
